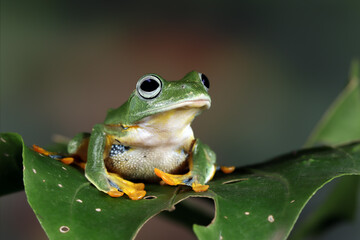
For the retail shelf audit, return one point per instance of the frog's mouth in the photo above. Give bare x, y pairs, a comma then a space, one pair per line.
197, 103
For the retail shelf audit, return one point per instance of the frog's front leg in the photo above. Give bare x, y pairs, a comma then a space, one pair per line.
201, 169
96, 173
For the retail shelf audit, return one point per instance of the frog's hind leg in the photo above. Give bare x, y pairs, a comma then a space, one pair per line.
119, 186
202, 169
116, 186
95, 171
77, 151
63, 159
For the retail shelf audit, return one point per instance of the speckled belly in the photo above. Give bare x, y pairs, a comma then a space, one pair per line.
139, 163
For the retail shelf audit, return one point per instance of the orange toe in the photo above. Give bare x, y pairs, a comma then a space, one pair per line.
165, 177
115, 193
40, 150
199, 187
139, 186
158, 172
137, 195
227, 170
80, 164
67, 160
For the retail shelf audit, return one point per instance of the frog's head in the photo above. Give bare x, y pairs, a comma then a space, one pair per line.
154, 95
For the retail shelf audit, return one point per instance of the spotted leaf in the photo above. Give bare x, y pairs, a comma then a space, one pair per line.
254, 202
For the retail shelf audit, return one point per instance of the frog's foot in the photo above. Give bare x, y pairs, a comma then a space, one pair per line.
227, 170
119, 186
114, 192
65, 160
186, 179
197, 187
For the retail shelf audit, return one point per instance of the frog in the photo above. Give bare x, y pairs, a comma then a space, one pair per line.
148, 139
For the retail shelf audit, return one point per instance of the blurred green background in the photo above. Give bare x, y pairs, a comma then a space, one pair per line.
274, 68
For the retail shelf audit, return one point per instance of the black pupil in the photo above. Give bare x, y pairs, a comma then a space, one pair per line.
205, 81
149, 85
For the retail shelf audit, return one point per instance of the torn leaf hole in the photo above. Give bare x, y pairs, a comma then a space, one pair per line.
235, 180
64, 229
150, 197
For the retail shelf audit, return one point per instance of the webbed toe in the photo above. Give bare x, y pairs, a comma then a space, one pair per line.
114, 193
186, 179
134, 191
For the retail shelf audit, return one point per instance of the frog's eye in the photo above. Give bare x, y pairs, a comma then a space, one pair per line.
205, 81
149, 87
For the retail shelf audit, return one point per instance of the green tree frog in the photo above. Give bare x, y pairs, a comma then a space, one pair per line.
148, 138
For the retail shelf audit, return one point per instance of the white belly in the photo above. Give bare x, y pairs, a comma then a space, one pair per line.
139, 163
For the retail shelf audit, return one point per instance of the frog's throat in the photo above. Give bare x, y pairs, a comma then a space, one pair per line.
169, 128
177, 116
168, 121
165, 129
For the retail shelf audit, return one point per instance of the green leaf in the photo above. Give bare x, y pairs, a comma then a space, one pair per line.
341, 123
10, 163
276, 192
11, 167
329, 213
257, 202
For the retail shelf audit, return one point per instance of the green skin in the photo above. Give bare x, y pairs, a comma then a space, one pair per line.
172, 96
